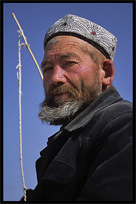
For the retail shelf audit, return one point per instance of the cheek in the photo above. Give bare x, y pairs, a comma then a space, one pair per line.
86, 73
81, 75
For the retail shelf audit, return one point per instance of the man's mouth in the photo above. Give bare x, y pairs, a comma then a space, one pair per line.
61, 96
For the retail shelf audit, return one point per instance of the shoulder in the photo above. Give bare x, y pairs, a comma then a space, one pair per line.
116, 116
110, 105
118, 112
122, 106
112, 121
121, 109
113, 106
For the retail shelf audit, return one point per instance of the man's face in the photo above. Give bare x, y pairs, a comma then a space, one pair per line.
69, 73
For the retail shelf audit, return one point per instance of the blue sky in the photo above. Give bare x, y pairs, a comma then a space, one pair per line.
35, 19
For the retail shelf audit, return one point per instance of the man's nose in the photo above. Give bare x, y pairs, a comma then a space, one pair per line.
58, 76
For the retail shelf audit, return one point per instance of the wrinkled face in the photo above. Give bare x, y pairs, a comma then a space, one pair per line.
69, 73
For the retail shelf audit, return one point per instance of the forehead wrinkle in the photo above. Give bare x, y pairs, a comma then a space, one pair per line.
60, 57
69, 55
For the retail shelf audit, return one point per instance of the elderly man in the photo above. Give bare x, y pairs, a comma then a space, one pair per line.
90, 158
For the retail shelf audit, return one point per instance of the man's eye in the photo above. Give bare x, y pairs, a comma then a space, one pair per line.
70, 63
47, 69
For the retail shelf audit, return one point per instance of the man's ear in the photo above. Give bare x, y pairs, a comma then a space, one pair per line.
108, 68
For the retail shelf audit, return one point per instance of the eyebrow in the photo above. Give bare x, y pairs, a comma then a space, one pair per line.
44, 62
68, 55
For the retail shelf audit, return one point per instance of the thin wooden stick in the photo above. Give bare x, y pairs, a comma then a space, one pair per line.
28, 46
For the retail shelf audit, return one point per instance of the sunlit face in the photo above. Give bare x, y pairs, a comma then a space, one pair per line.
69, 73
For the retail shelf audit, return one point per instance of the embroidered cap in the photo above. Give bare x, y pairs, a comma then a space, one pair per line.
86, 30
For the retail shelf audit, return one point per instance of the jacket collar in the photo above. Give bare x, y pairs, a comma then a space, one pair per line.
109, 96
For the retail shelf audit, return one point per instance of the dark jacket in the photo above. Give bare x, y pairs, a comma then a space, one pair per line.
90, 159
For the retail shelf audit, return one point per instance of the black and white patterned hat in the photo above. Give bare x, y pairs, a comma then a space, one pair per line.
86, 30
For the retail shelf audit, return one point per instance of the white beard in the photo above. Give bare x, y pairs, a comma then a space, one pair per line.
58, 115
